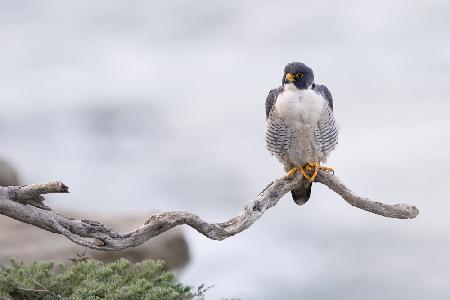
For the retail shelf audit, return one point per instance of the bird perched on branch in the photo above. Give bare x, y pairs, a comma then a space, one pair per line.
301, 130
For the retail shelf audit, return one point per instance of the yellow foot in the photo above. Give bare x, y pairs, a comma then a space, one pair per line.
316, 167
307, 168
292, 172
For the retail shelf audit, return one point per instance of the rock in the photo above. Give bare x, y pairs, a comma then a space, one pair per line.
8, 176
29, 243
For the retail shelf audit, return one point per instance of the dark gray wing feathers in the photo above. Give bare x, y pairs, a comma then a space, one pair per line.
271, 99
277, 136
323, 90
326, 133
277, 133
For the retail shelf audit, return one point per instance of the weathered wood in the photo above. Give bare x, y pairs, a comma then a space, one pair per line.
29, 243
24, 203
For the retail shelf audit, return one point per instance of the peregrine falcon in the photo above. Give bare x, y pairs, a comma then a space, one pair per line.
301, 130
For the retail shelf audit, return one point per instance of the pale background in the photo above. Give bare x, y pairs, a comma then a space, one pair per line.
125, 99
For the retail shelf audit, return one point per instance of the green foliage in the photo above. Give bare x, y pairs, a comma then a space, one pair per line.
90, 279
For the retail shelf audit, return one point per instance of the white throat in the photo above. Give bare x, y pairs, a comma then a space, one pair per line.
291, 87
299, 106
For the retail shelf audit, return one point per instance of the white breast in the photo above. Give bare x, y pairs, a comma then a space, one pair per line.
299, 107
300, 111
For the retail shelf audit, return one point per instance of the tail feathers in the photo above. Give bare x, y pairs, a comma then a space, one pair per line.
301, 194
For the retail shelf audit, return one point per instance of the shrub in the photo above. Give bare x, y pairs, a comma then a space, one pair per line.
90, 279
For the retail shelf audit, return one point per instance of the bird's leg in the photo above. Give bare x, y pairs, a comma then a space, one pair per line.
296, 169
314, 165
292, 171
311, 165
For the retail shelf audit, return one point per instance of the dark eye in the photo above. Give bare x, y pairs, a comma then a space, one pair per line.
299, 75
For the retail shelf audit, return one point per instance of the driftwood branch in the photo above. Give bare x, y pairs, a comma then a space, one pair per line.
25, 204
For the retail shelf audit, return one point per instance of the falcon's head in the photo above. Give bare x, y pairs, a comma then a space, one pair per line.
298, 74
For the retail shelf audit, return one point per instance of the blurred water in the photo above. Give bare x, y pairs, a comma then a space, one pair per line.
160, 105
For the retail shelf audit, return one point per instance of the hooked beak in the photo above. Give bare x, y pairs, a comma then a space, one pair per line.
290, 78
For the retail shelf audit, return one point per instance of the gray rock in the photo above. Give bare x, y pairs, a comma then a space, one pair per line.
8, 176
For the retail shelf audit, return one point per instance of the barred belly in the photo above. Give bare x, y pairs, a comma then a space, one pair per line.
302, 147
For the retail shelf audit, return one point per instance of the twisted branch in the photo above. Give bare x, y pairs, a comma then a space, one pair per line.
25, 204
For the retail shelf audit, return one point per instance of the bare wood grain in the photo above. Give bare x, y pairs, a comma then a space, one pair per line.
25, 204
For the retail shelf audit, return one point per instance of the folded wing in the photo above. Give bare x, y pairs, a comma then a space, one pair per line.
325, 132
